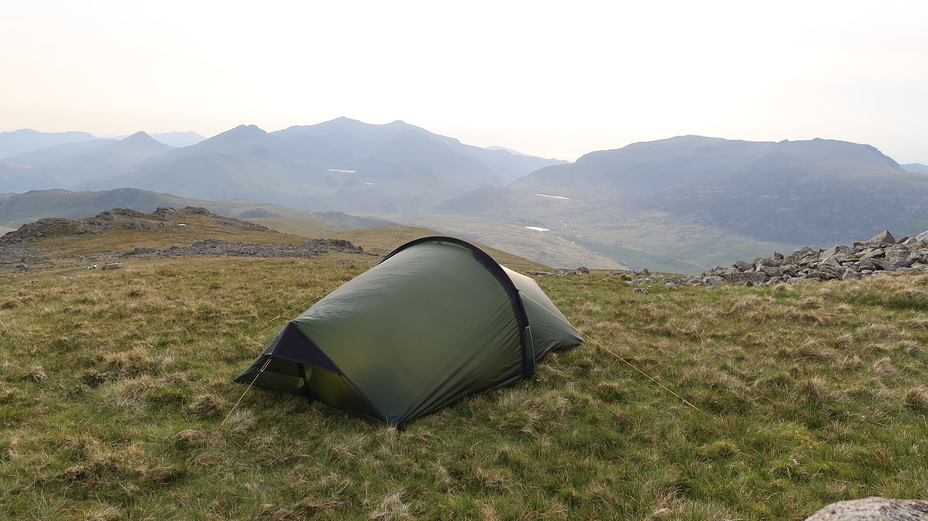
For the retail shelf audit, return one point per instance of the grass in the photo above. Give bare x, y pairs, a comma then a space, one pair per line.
548, 248
197, 228
117, 402
384, 239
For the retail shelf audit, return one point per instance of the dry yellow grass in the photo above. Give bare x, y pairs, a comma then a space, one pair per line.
117, 402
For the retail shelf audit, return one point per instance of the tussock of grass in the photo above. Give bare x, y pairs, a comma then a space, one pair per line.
916, 398
116, 402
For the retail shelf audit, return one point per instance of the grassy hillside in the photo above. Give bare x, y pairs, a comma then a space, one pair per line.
550, 248
19, 209
117, 402
304, 227
196, 228
529, 249
384, 240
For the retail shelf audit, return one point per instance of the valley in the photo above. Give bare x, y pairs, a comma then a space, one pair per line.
680, 205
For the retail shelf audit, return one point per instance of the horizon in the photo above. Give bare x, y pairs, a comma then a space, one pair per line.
565, 157
540, 79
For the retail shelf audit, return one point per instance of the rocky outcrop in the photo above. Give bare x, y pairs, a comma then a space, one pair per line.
881, 253
216, 248
118, 218
873, 509
559, 272
16, 254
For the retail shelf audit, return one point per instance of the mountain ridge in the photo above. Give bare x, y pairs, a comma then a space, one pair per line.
678, 196
342, 164
916, 167
681, 203
26, 140
71, 164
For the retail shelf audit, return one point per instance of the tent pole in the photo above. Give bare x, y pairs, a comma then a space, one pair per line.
309, 395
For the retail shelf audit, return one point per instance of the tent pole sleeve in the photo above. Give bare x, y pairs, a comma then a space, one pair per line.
528, 359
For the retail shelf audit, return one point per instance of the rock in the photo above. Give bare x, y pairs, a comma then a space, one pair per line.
776, 271
798, 254
776, 261
15, 257
733, 275
641, 290
826, 272
873, 509
851, 275
881, 253
643, 272
899, 256
539, 273
894, 257
165, 213
836, 251
882, 238
679, 281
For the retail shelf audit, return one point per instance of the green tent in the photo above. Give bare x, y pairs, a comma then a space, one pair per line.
435, 320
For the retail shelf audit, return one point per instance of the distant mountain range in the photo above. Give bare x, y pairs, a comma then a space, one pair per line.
77, 163
681, 204
176, 139
27, 140
341, 164
698, 201
915, 167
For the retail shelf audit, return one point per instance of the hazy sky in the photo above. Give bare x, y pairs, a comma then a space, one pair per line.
545, 78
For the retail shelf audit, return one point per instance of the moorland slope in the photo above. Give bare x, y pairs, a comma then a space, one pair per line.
117, 399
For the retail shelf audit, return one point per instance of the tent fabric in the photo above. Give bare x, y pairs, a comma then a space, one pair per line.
437, 319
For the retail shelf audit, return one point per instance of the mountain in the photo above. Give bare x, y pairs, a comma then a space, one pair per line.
19, 209
918, 168
339, 165
177, 139
27, 140
689, 202
242, 163
358, 144
343, 165
72, 164
682, 204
